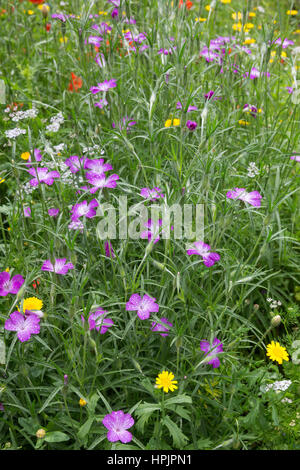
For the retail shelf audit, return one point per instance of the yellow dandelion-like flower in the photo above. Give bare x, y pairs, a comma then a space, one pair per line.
168, 123
63, 39
249, 41
2, 180
237, 16
276, 352
44, 7
30, 12
283, 54
104, 13
7, 270
297, 31
201, 20
166, 382
252, 14
82, 402
207, 7
25, 155
32, 303
225, 1
243, 123
292, 12
237, 26
176, 122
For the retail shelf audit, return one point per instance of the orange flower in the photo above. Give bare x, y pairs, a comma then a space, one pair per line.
75, 83
188, 4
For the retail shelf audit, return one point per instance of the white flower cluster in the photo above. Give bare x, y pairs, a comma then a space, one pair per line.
252, 170
56, 121
19, 115
59, 148
278, 386
286, 400
274, 303
13, 133
93, 150
27, 188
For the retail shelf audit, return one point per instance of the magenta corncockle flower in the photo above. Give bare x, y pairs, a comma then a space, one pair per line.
255, 73
102, 29
42, 175
100, 181
209, 95
285, 43
97, 166
154, 230
101, 103
104, 86
24, 326
66, 379
144, 306
253, 198
53, 212
95, 40
2, 407
190, 108
60, 266
10, 286
98, 321
109, 252
202, 249
117, 423
27, 212
75, 163
60, 16
152, 194
163, 326
296, 158
37, 158
212, 351
167, 51
125, 123
115, 13
84, 209
100, 59
191, 125
289, 89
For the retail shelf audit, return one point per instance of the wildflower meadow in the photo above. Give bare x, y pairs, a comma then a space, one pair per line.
149, 225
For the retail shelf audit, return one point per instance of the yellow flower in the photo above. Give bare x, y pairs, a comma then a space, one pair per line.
248, 26
166, 382
252, 14
30, 12
32, 303
237, 16
2, 180
283, 54
7, 270
40, 434
249, 41
200, 19
44, 7
25, 155
176, 122
82, 402
277, 353
63, 39
292, 12
207, 7
103, 13
168, 123
243, 123
237, 26
225, 1
297, 31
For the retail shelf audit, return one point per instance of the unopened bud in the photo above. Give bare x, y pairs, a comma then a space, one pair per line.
40, 434
276, 320
45, 10
256, 306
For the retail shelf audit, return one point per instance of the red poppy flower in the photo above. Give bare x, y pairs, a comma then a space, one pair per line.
37, 2
75, 83
48, 27
188, 4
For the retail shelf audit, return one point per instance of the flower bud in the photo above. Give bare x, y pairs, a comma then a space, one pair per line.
276, 321
40, 434
45, 10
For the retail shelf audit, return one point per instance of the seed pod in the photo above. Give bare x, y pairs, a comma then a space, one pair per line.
276, 321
